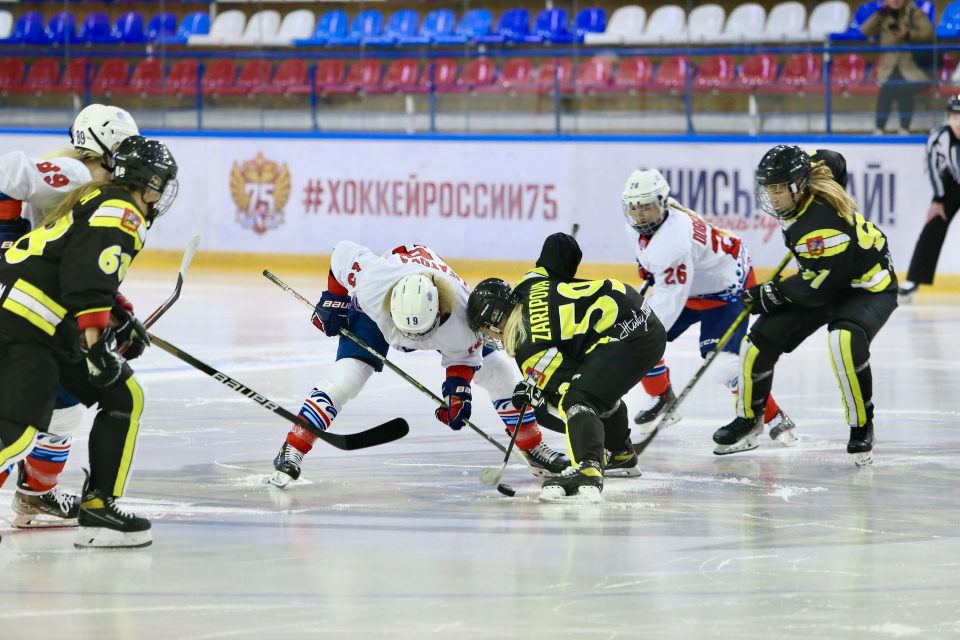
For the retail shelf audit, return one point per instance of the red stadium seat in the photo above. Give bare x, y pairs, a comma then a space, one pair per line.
290, 79
516, 75
364, 75
801, 73
329, 73
399, 76
147, 78
112, 73
671, 75
848, 71
555, 73
74, 79
633, 75
254, 76
595, 74
220, 77
12, 71
716, 72
758, 71
182, 79
442, 73
41, 77
479, 73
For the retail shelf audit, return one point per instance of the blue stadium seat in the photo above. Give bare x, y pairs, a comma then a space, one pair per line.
440, 22
929, 8
591, 20
860, 16
129, 28
950, 22
473, 24
29, 29
62, 29
367, 24
551, 26
332, 24
162, 25
401, 24
193, 24
514, 26
96, 29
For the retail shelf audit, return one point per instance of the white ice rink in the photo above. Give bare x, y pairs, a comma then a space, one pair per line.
403, 541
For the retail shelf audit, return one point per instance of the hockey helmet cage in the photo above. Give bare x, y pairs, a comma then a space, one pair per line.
953, 104
645, 200
786, 165
99, 129
147, 165
415, 306
490, 304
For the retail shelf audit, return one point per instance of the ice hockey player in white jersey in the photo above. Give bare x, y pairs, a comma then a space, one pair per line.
698, 274
411, 300
31, 185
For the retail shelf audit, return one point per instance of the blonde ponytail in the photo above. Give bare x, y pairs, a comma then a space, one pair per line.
70, 201
825, 188
514, 331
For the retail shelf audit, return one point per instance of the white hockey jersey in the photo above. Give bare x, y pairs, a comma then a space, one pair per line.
369, 279
42, 184
692, 263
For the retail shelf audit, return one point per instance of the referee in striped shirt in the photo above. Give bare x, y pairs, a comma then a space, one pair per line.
943, 169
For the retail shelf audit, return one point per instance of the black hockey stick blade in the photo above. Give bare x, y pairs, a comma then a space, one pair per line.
381, 434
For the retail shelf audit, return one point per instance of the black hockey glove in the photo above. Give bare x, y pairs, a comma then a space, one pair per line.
764, 298
132, 337
103, 361
527, 394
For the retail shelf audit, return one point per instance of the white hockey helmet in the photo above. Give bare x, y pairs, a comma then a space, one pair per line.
98, 129
645, 200
415, 306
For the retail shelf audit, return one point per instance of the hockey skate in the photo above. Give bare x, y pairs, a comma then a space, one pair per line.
740, 435
906, 292
782, 429
55, 508
860, 445
105, 526
623, 464
545, 462
650, 416
576, 484
287, 465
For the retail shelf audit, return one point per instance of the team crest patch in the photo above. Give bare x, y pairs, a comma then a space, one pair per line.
130, 220
642, 242
815, 246
534, 376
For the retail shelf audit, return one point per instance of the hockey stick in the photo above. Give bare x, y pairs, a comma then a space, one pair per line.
400, 372
184, 265
381, 434
492, 475
671, 408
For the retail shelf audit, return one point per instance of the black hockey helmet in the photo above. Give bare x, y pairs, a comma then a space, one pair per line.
147, 165
953, 104
787, 165
490, 303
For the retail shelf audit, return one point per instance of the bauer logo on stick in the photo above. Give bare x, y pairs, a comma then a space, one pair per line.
260, 188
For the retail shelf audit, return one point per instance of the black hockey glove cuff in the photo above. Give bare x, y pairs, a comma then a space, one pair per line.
764, 298
103, 361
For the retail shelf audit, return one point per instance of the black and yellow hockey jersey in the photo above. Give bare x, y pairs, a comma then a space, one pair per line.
69, 271
835, 257
565, 319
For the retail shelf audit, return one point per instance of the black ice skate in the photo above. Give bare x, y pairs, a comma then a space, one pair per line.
55, 508
104, 526
649, 416
623, 463
740, 435
287, 465
861, 445
782, 429
576, 484
545, 462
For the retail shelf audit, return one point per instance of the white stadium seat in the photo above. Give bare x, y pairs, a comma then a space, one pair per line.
666, 24
745, 24
787, 21
6, 24
625, 25
827, 18
296, 25
228, 24
705, 23
261, 27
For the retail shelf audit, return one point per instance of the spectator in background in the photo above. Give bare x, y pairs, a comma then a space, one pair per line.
899, 22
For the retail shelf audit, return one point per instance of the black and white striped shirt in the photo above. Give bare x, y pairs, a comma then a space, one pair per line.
943, 163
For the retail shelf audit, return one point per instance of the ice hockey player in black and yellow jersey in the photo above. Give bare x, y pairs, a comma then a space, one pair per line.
57, 286
581, 345
846, 282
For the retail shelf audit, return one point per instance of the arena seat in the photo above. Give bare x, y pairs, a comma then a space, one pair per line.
290, 78
949, 27
62, 29
147, 78
364, 75
671, 75
633, 75
12, 72
441, 74
515, 75
474, 23
253, 77
667, 23
96, 29
826, 18
162, 25
332, 24
400, 75
704, 24
29, 29
43, 75
113, 73
594, 74
786, 21
513, 26
228, 24
478, 74
74, 78
260, 29
716, 72
554, 74
745, 24
367, 24
182, 79
757, 72
802, 72
401, 24
129, 28
592, 20
296, 25
860, 16
329, 73
6, 25
625, 24
219, 77
551, 25
197, 23
436, 24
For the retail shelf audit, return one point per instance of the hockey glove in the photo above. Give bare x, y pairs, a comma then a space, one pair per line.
132, 336
330, 314
527, 394
457, 395
764, 298
103, 361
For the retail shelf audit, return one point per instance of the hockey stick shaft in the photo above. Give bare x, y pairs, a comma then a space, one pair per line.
184, 265
400, 372
724, 339
381, 434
